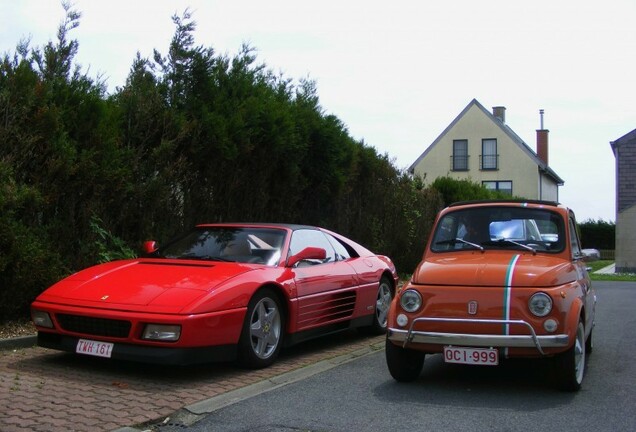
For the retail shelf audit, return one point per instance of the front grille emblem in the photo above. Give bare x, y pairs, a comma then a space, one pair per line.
472, 307
104, 297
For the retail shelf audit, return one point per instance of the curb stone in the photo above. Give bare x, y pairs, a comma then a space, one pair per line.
18, 342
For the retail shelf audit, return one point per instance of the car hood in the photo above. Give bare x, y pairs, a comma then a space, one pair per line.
160, 284
493, 268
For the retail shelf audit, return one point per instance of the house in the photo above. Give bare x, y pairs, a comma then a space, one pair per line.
480, 147
624, 150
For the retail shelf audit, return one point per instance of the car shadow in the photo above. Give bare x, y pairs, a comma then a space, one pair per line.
90, 370
521, 384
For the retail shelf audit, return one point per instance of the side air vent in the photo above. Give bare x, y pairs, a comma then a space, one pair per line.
325, 309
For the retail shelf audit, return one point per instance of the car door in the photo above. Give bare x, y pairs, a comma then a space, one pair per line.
326, 289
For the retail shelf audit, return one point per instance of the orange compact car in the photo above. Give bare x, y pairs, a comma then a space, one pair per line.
498, 279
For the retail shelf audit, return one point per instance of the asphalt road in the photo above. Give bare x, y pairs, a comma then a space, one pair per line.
516, 396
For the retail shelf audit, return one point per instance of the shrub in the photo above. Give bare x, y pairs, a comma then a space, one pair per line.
453, 190
28, 262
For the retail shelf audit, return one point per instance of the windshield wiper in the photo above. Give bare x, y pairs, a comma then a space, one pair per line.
521, 245
475, 245
459, 240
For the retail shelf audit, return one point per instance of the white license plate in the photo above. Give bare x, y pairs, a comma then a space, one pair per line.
94, 348
473, 356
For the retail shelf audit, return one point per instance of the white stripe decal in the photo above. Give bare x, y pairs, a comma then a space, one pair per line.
507, 293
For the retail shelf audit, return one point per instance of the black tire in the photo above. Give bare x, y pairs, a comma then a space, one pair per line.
263, 329
589, 343
381, 309
570, 365
405, 365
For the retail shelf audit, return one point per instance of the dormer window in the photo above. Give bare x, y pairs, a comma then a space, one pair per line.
459, 159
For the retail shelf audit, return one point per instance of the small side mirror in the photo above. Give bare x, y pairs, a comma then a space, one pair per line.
307, 254
150, 247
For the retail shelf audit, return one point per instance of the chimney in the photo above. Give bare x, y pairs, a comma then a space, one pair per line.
500, 113
542, 141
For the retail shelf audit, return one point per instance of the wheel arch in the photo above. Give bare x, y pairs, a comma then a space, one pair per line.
575, 314
284, 300
389, 277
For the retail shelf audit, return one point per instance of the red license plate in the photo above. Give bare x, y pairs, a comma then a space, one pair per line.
473, 356
94, 348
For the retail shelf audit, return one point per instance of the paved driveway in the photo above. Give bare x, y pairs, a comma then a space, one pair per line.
519, 395
45, 390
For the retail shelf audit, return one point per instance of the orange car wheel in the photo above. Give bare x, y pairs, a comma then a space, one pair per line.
404, 365
570, 365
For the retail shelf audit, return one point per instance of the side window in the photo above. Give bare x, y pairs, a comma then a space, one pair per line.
341, 252
302, 239
574, 240
459, 159
501, 186
489, 154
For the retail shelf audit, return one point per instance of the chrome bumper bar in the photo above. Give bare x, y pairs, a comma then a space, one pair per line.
530, 340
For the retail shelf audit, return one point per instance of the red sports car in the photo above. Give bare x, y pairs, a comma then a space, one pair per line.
220, 292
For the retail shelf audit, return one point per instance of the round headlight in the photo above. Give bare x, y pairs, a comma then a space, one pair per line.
540, 304
411, 300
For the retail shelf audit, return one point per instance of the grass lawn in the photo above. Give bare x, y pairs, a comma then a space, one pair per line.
597, 265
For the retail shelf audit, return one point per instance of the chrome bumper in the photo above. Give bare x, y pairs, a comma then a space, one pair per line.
530, 340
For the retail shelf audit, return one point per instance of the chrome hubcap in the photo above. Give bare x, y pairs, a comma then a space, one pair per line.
383, 303
579, 353
265, 328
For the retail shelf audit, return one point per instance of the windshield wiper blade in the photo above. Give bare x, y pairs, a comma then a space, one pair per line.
521, 245
475, 245
459, 240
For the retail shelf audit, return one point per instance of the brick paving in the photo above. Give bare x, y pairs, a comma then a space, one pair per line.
46, 390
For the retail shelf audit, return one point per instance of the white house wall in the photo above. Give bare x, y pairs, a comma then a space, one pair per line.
514, 163
548, 190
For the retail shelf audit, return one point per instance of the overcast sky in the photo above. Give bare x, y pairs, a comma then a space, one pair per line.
397, 73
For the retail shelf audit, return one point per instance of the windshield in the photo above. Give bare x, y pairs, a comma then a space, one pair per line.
236, 244
499, 228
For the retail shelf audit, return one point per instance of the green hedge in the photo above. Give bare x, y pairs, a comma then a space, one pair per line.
598, 234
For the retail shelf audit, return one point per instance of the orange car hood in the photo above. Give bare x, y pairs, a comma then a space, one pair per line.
493, 268
162, 284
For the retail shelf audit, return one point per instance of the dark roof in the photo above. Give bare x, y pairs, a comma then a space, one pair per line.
627, 139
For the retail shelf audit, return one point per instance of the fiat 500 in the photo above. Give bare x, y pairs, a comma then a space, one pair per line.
497, 280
